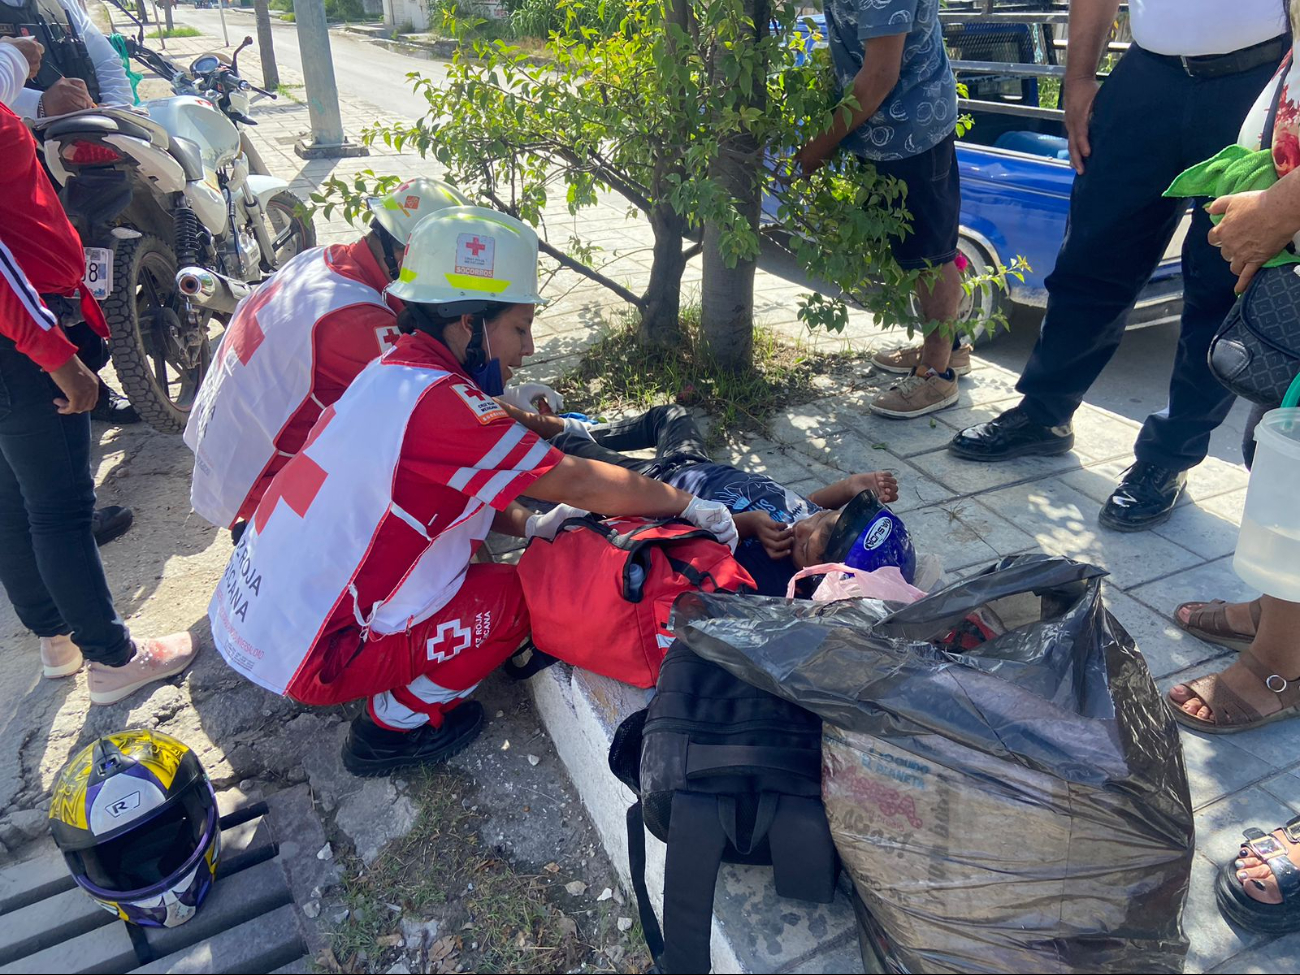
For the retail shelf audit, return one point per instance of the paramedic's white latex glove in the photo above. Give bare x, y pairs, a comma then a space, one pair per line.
576, 427
547, 524
715, 518
521, 397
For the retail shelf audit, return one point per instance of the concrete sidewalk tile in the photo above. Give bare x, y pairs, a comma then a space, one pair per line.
1063, 522
769, 933
1214, 580
971, 477
1167, 648
1212, 938
1206, 533
821, 474
843, 956
1219, 826
1103, 435
1279, 955
964, 533
816, 419
1216, 768
1285, 786
906, 438
1212, 477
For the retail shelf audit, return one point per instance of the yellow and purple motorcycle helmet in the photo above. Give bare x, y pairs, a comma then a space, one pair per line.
136, 819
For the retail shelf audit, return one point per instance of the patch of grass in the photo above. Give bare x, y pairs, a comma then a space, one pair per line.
290, 92
492, 915
617, 374
289, 17
184, 30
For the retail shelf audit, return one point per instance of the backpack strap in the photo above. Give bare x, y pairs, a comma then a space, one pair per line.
654, 938
695, 844
703, 760
804, 861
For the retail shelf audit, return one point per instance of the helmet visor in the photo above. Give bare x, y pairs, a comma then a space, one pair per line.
156, 850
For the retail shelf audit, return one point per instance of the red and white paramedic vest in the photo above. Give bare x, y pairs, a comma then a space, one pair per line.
318, 523
261, 379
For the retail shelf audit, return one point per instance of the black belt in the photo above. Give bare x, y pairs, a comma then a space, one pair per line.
1234, 62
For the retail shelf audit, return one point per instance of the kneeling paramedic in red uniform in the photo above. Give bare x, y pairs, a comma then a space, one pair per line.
354, 577
291, 350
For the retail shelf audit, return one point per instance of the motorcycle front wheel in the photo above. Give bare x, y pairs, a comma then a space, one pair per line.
292, 231
159, 358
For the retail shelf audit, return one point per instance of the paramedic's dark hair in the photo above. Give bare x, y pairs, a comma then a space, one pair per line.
424, 318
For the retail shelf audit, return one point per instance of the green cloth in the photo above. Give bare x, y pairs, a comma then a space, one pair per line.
135, 77
1235, 169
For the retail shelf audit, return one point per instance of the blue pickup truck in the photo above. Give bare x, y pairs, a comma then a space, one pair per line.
1015, 170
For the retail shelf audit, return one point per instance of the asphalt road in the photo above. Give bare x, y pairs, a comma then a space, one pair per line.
1134, 385
362, 68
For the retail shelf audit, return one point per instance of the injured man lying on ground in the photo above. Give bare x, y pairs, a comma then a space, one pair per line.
781, 531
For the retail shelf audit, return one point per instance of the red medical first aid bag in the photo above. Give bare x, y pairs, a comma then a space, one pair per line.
599, 595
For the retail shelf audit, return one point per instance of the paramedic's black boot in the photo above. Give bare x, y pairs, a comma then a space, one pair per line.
1145, 498
110, 522
1013, 434
112, 407
372, 750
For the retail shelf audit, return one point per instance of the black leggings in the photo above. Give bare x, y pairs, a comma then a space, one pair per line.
669, 430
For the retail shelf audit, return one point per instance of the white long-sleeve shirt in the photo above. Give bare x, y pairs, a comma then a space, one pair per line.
13, 74
114, 89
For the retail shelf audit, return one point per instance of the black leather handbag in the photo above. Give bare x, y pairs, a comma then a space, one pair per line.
1256, 352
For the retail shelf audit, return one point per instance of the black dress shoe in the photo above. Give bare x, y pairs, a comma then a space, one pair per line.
372, 750
1145, 498
113, 408
110, 522
1013, 434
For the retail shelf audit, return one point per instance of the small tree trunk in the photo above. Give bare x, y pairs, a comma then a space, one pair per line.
143, 10
167, 13
727, 291
266, 46
660, 313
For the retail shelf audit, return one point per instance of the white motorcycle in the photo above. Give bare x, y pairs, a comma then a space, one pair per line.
180, 219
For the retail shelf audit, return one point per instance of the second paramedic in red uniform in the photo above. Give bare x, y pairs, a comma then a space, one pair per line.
354, 578
291, 350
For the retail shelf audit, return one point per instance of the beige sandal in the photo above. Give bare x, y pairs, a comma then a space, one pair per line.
1231, 714
1209, 622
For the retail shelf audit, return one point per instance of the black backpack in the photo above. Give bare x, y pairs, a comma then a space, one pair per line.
724, 772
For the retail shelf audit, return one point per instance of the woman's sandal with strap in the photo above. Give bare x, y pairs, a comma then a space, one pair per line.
1209, 622
1230, 714
1242, 909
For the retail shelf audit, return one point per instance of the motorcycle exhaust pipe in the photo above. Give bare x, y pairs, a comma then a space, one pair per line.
210, 289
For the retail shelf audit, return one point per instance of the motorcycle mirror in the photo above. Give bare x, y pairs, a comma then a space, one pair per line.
234, 58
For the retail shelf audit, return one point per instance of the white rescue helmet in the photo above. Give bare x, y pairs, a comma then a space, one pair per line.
462, 254
411, 202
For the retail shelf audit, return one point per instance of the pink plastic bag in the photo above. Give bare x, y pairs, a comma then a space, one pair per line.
845, 582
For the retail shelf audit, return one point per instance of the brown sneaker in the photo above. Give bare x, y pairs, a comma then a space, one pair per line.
906, 359
60, 657
153, 660
916, 396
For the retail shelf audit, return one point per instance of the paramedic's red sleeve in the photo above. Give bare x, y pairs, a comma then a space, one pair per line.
24, 318
460, 438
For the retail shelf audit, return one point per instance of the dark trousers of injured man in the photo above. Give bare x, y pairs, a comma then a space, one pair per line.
415, 677
669, 430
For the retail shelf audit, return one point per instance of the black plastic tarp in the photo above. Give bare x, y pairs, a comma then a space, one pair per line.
1022, 806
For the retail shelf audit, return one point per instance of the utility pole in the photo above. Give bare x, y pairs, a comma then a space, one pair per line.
327, 140
266, 46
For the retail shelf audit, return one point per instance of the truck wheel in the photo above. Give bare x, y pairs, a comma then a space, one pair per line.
979, 307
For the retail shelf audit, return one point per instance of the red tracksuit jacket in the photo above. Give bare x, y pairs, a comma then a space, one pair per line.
40, 253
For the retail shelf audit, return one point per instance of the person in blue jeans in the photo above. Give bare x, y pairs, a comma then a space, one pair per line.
1176, 98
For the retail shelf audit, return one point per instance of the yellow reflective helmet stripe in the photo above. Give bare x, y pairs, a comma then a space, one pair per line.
406, 274
469, 282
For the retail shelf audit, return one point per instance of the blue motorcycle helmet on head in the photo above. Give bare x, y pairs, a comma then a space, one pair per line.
869, 536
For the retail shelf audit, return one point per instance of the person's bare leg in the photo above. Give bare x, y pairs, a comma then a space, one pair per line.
1276, 646
939, 293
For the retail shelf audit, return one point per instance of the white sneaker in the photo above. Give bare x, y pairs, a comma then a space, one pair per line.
155, 659
60, 657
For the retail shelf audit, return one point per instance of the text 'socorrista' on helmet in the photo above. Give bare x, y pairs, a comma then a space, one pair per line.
136, 819
405, 206
469, 254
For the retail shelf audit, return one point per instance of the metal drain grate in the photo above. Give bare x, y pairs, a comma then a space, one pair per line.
248, 922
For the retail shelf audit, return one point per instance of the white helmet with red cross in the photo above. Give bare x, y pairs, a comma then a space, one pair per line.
469, 254
411, 202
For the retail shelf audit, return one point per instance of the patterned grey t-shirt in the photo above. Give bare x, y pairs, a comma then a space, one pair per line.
921, 111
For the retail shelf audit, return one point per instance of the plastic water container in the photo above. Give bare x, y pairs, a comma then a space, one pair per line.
1268, 547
